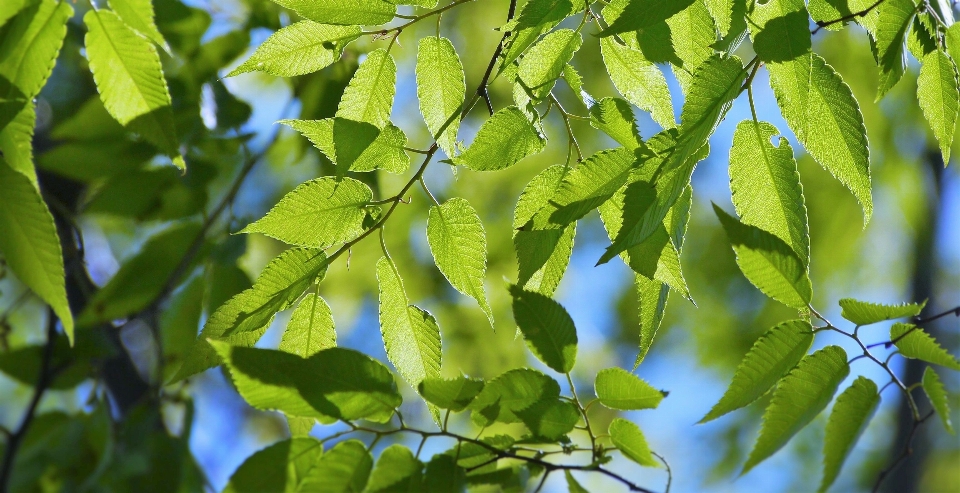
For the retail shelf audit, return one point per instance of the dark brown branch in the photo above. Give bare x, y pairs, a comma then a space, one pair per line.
906, 452
953, 311
482, 87
862, 13
44, 377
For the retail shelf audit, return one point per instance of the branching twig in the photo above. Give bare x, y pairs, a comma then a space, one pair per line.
906, 452
862, 13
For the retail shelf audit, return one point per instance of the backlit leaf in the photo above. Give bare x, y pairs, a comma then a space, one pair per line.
503, 140
938, 397
547, 328
459, 247
615, 118
138, 14
343, 469
798, 399
542, 255
281, 467
892, 25
850, 416
628, 438
772, 356
345, 12
939, 97
298, 49
440, 89
866, 313
397, 471
638, 80
638, 14
336, 212
310, 328
544, 63
369, 94
914, 342
619, 389
454, 394
511, 392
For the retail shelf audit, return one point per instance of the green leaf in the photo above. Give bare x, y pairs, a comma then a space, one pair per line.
914, 342
142, 278
768, 263
138, 14
344, 12
573, 79
363, 149
503, 140
765, 185
614, 117
454, 394
798, 399
179, 323
693, 34
638, 80
11, 8
300, 427
866, 313
542, 255
774, 354
850, 416
336, 382
585, 188
301, 48
459, 247
545, 62
536, 17
369, 94
619, 389
550, 419
30, 244
29, 50
652, 297
126, 68
572, 485
722, 13
547, 327
715, 85
245, 317
16, 139
939, 97
310, 329
639, 14
825, 117
410, 335
440, 89
892, 25
280, 467
628, 438
831, 10
344, 469
336, 211
397, 471
511, 392
443, 475
938, 397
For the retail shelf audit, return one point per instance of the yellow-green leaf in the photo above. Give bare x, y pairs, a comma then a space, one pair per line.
619, 389
628, 438
933, 387
440, 89
850, 416
459, 247
939, 97
310, 329
914, 342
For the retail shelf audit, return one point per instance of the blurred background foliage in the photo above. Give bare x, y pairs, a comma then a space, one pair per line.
97, 431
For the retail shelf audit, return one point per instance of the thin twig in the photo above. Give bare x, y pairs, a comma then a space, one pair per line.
953, 311
906, 452
862, 13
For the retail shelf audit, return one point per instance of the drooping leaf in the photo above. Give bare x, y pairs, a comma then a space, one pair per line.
628, 438
722, 13
511, 392
892, 24
397, 471
572, 485
126, 68
344, 12
142, 278
336, 382
138, 14
547, 328
298, 49
453, 394
310, 329
503, 140
281, 467
245, 317
30, 48
542, 255
586, 188
30, 244
615, 118
822, 112
866, 313
798, 399
652, 296
440, 89
938, 397
773, 355
411, 335
939, 97
619, 389
638, 14
638, 80
715, 85
544, 63
459, 247
343, 469
765, 186
850, 416
767, 262
369, 94
336, 212
12, 8
914, 342
692, 33
550, 419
